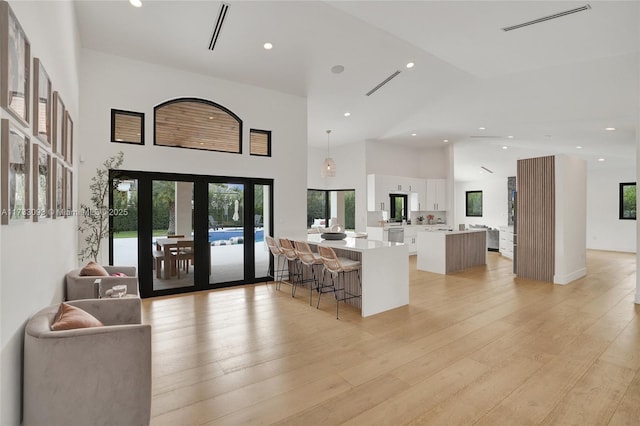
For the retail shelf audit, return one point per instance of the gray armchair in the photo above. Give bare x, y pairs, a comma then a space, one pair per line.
85, 287
88, 376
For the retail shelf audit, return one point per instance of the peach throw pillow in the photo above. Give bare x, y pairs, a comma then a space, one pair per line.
69, 318
94, 269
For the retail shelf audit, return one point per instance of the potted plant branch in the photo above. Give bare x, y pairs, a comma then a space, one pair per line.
94, 220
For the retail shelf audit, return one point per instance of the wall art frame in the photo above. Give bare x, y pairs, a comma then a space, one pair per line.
42, 102
15, 65
57, 131
15, 167
41, 183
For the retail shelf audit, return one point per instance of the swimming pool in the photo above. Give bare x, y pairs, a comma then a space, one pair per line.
233, 235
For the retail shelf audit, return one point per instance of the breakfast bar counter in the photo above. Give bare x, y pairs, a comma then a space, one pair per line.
385, 271
445, 252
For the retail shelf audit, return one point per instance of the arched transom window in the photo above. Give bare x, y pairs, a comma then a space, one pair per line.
197, 123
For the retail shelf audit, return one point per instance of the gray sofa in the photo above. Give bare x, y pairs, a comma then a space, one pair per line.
85, 287
88, 376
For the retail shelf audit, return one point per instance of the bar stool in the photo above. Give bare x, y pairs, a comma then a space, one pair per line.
290, 253
277, 253
337, 266
309, 259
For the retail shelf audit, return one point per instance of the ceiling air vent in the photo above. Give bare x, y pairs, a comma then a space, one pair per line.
485, 169
382, 83
547, 18
222, 14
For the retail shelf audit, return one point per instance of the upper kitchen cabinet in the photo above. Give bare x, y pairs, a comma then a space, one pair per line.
436, 195
378, 188
417, 200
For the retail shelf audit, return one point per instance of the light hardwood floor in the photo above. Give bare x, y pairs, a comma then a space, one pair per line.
474, 347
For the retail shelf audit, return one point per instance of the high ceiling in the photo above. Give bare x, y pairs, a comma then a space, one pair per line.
552, 86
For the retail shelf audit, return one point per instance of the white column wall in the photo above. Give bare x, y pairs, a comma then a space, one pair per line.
183, 208
571, 219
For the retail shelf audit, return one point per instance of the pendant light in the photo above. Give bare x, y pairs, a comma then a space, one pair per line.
328, 165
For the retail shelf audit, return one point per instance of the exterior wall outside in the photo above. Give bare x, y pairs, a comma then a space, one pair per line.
35, 256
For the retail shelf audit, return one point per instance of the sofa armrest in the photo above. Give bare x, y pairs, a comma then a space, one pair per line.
129, 271
126, 310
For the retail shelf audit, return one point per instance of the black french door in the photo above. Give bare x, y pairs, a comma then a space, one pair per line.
190, 232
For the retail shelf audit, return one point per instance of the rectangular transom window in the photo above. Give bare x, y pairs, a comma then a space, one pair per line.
260, 141
628, 200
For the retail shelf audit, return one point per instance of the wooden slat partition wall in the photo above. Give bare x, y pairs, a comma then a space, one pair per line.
535, 219
465, 250
198, 125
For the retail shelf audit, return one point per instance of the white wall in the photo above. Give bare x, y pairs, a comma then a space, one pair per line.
494, 202
35, 256
114, 82
605, 231
570, 218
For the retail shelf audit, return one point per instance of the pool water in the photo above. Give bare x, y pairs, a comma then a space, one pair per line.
232, 236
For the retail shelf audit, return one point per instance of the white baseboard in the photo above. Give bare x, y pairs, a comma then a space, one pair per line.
567, 278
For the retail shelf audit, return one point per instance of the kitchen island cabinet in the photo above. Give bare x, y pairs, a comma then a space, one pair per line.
451, 251
385, 271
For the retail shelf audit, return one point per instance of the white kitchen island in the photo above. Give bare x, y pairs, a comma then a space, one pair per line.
444, 252
385, 271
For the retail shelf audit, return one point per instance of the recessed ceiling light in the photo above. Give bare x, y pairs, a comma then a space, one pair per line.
505, 147
510, 137
268, 46
347, 114
601, 159
578, 147
414, 134
482, 128
337, 69
411, 65
136, 3
445, 140
610, 128
210, 118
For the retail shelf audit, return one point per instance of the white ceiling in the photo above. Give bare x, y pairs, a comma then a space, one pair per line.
552, 86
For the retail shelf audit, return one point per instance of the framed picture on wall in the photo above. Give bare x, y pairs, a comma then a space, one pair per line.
68, 196
68, 137
15, 61
41, 183
58, 188
58, 125
41, 102
14, 189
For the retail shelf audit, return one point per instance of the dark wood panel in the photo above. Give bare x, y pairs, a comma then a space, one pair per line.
465, 250
535, 224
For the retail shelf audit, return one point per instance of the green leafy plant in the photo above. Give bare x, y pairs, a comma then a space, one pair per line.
94, 220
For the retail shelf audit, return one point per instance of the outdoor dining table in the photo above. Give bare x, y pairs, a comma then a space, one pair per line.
165, 245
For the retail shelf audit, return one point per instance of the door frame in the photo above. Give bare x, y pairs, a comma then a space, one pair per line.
200, 226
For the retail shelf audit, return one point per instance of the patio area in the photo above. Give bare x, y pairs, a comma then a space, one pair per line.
227, 262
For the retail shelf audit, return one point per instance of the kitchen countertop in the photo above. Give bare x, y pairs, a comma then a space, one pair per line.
349, 243
457, 232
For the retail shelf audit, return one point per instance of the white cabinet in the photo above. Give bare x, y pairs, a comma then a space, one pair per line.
417, 201
377, 233
436, 195
506, 241
411, 238
378, 188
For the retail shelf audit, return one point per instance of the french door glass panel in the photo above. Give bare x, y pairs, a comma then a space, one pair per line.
226, 232
125, 223
172, 239
261, 227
